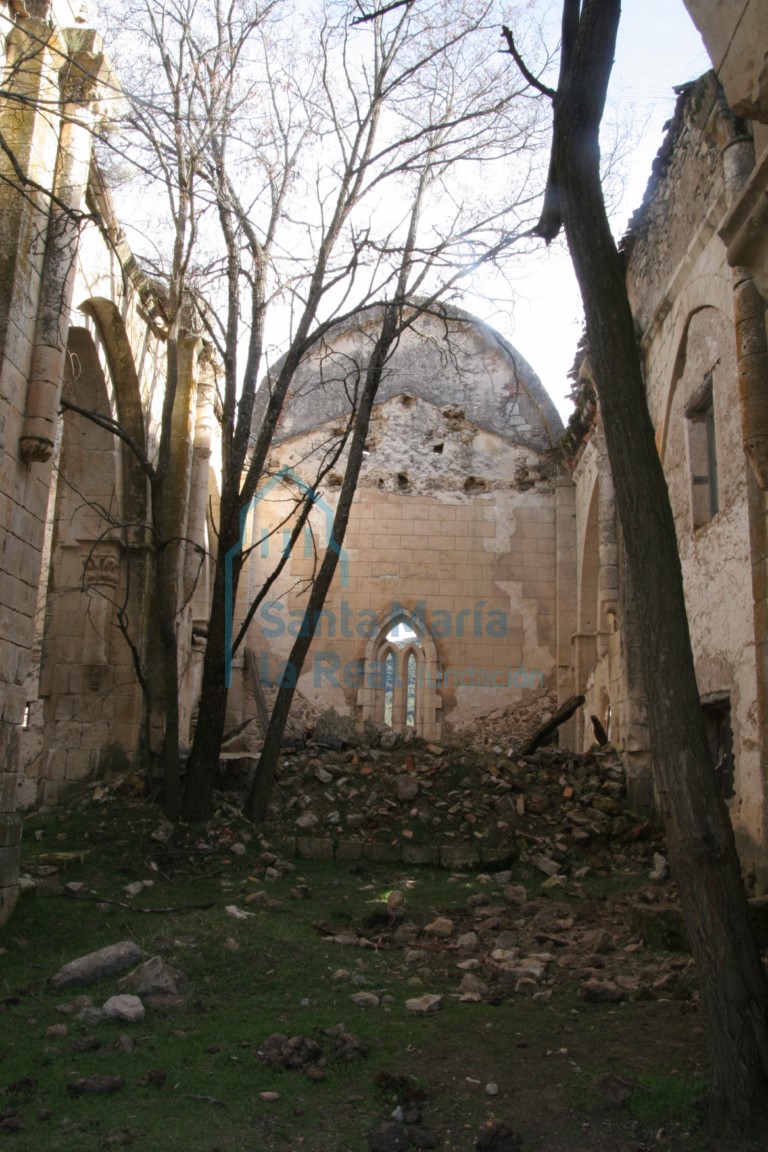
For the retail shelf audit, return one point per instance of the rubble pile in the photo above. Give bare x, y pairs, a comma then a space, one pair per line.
559, 811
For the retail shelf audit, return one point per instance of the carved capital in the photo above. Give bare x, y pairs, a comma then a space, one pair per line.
101, 565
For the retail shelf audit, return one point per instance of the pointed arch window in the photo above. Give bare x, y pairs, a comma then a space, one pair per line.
401, 677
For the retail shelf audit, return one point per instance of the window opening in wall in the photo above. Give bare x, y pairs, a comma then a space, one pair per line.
389, 689
401, 677
25, 721
410, 691
402, 633
702, 453
717, 720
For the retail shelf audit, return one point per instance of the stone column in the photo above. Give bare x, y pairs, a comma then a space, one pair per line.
608, 548
565, 569
749, 314
80, 76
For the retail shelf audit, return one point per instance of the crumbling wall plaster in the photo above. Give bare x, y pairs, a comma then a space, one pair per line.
454, 521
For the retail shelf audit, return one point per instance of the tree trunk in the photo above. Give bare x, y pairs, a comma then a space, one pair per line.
258, 798
206, 746
699, 834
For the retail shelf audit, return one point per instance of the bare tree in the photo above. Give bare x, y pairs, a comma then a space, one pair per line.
302, 168
699, 833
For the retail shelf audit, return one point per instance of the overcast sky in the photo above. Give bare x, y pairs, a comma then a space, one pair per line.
658, 47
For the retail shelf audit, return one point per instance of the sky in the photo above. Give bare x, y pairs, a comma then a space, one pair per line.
658, 47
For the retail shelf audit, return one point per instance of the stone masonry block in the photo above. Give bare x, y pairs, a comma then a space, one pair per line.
382, 853
314, 848
9, 894
459, 856
10, 859
350, 850
420, 854
10, 830
7, 791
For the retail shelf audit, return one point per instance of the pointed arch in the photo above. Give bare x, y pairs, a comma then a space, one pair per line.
401, 676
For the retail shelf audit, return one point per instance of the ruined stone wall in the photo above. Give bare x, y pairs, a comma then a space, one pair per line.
79, 319
682, 293
683, 204
32, 74
453, 528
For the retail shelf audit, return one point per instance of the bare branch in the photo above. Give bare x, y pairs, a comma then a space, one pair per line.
529, 76
366, 17
116, 429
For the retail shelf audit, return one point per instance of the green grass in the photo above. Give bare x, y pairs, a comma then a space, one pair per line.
665, 1099
242, 981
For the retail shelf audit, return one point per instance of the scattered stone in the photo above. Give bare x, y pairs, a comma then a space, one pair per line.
334, 730
407, 788
281, 1051
269, 1097
601, 992
90, 1015
440, 927
154, 1078
124, 1007
491, 1089
498, 1138
345, 1046
545, 864
365, 1000
473, 986
153, 978
87, 1044
395, 902
55, 1031
134, 889
515, 894
598, 941
98, 1085
660, 870
164, 833
429, 1002
109, 961
239, 849
73, 1007
237, 913
555, 882
307, 820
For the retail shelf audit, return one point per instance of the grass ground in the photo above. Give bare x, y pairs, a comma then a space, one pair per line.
568, 1076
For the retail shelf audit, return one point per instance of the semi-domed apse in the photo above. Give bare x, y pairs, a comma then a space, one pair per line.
442, 610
